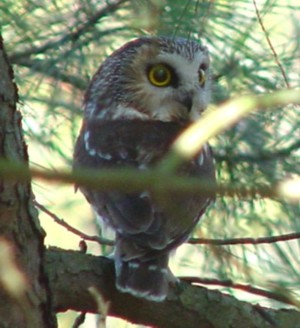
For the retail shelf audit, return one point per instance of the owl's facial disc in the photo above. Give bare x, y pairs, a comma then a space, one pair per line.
178, 87
156, 79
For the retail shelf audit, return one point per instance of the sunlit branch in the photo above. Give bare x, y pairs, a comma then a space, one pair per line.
130, 180
216, 121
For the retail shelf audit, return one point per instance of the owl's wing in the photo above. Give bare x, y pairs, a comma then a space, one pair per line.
112, 144
108, 144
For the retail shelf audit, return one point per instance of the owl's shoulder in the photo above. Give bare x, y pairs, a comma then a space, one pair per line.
112, 142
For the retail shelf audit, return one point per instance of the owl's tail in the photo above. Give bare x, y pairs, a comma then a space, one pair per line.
144, 278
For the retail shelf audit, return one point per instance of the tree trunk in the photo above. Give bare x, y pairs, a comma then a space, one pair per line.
24, 297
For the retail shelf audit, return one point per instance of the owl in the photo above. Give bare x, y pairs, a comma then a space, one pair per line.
140, 99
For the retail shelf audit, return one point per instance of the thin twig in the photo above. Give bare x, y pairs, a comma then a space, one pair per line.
271, 45
198, 241
77, 232
244, 241
288, 299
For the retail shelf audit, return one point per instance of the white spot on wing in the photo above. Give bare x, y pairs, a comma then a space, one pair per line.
92, 151
145, 194
123, 153
200, 159
86, 137
106, 230
103, 155
89, 108
142, 166
156, 268
133, 265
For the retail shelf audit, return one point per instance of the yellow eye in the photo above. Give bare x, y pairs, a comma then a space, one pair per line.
201, 77
160, 75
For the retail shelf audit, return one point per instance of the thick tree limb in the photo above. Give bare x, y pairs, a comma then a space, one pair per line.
72, 273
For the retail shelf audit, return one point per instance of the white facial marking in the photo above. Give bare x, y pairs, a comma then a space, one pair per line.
128, 113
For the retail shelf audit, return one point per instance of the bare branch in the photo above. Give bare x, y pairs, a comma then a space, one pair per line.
244, 241
75, 231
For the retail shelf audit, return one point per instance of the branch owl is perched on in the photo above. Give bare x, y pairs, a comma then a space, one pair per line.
140, 99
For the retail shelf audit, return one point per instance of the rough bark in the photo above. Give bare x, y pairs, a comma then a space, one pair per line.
71, 274
24, 298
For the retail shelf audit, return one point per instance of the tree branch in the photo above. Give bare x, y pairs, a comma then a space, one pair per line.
72, 273
50, 68
131, 179
215, 121
244, 241
196, 241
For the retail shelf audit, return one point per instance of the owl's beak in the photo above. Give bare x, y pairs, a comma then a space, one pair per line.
187, 100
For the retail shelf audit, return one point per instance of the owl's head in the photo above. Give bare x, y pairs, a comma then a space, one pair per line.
151, 79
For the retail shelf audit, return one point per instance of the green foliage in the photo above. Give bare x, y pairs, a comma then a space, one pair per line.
56, 46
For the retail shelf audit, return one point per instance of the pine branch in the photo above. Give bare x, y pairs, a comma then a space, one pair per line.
216, 121
261, 156
72, 34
